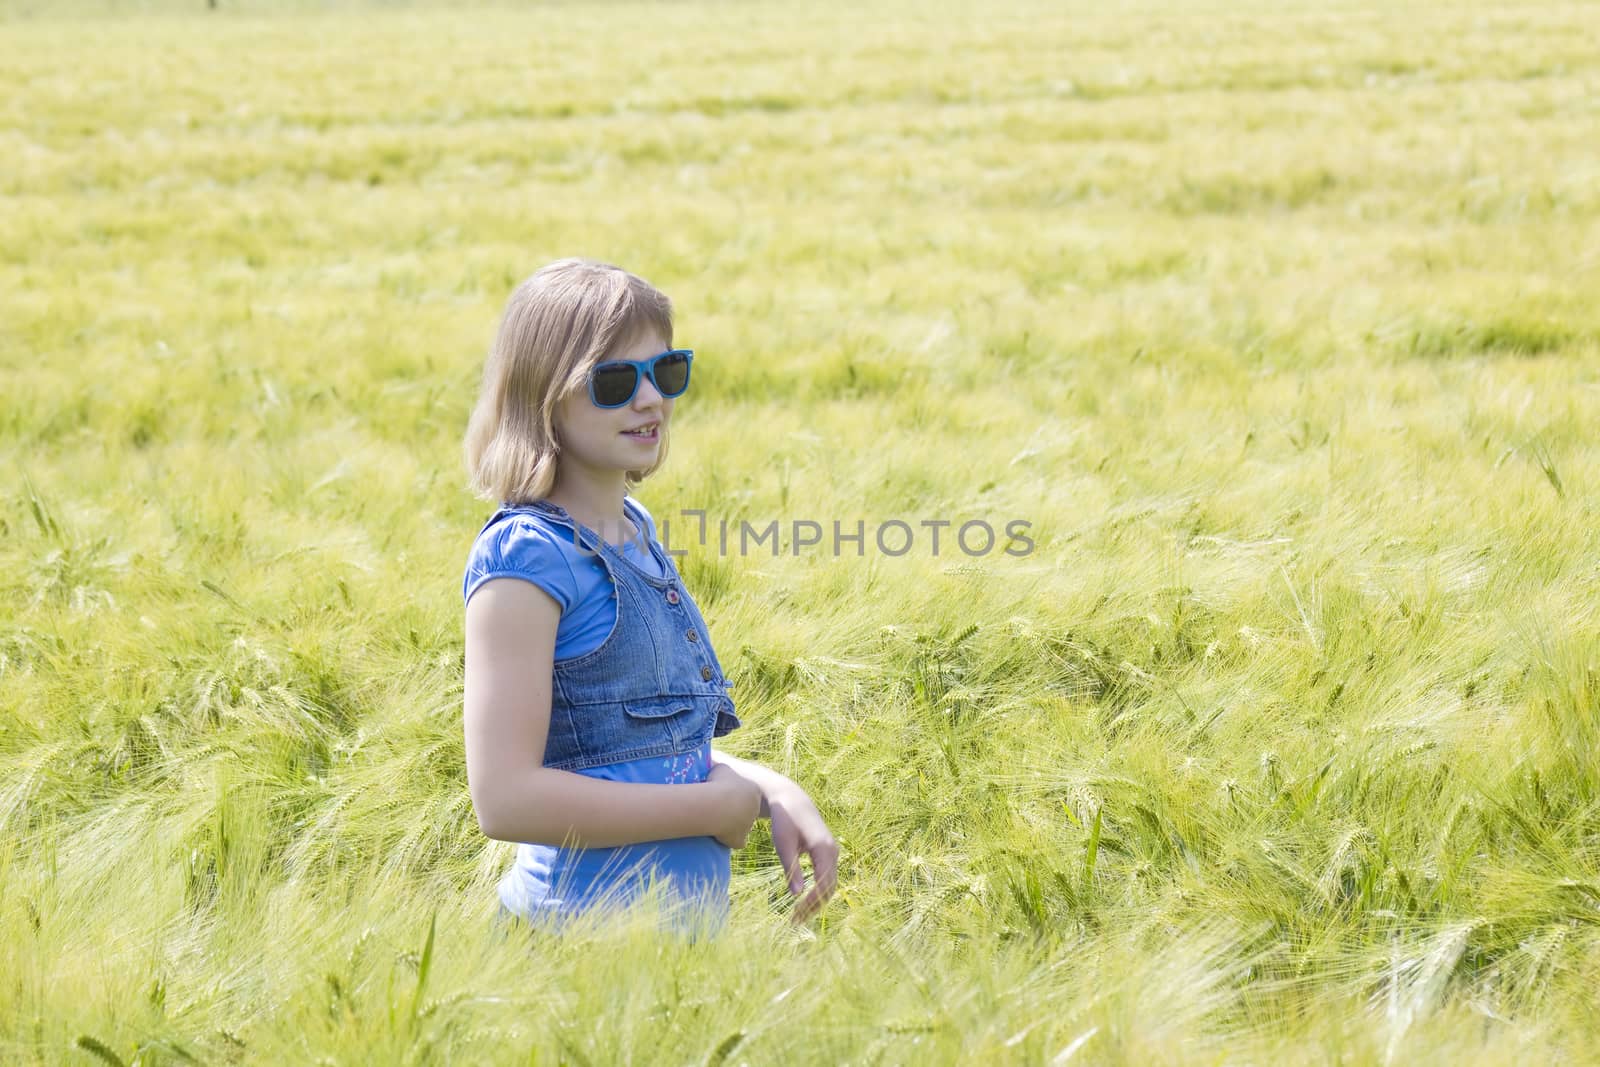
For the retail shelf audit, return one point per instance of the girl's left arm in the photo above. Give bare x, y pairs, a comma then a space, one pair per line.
797, 828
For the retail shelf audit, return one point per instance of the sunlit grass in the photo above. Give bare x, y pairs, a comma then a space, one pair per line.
1279, 325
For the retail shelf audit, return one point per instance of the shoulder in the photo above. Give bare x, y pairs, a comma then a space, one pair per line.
520, 544
517, 532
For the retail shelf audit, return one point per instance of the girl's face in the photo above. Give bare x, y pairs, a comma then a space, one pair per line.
597, 440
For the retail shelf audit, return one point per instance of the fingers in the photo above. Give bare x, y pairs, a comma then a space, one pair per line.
809, 905
805, 908
795, 873
787, 845
825, 864
824, 870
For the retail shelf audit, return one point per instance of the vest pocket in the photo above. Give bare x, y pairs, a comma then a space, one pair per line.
689, 721
658, 707
662, 724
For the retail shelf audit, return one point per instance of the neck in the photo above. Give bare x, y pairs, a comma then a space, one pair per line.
597, 503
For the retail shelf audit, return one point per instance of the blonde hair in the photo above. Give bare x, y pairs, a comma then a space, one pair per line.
561, 321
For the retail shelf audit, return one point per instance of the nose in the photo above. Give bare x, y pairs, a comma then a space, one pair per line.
646, 395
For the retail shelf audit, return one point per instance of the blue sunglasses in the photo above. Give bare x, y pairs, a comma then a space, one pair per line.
613, 383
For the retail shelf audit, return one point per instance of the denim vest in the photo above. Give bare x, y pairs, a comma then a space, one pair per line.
654, 687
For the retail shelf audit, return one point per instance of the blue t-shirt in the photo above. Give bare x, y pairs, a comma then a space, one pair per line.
549, 880
525, 546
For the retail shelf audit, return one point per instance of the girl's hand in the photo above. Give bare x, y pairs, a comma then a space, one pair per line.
739, 810
797, 828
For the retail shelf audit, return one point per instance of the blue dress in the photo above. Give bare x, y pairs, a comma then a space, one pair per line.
637, 696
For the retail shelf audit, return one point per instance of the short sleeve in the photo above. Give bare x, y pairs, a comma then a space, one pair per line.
519, 546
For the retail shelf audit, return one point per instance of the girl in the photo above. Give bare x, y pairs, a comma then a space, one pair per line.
592, 690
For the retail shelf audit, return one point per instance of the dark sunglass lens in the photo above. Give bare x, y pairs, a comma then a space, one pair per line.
613, 383
672, 375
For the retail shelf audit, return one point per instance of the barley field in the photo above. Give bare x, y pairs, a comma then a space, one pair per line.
1276, 740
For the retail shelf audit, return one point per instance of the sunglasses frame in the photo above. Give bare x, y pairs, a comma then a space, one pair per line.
642, 369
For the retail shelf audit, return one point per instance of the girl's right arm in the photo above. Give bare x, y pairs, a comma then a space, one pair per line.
510, 657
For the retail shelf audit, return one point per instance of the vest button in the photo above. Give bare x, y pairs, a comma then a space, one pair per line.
692, 636
705, 672
672, 596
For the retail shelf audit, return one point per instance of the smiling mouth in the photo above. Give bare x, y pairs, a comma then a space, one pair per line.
648, 433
